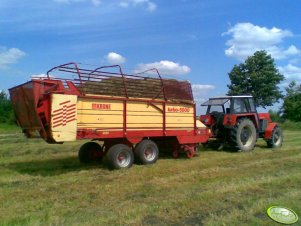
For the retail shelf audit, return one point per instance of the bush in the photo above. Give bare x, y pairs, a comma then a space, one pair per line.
292, 102
275, 116
291, 125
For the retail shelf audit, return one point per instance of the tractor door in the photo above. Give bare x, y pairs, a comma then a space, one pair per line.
262, 124
245, 107
239, 106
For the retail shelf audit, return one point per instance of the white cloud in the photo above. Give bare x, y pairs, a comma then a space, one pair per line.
41, 76
124, 4
10, 56
292, 50
94, 2
165, 67
200, 94
290, 71
247, 38
200, 91
149, 5
295, 60
115, 58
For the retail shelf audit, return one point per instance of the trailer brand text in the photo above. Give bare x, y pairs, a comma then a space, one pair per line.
175, 109
101, 106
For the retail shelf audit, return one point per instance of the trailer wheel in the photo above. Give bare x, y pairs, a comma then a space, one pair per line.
90, 152
175, 154
120, 156
190, 154
147, 152
276, 139
243, 135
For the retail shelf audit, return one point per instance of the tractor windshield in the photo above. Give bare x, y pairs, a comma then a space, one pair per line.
217, 105
216, 102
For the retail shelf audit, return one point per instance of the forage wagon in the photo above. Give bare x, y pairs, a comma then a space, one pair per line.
132, 115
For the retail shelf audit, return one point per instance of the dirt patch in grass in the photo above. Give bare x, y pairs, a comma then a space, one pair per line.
154, 220
195, 219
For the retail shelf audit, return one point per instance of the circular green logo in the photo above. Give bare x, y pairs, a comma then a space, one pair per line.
282, 215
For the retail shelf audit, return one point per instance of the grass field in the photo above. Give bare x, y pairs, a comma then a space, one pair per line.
42, 184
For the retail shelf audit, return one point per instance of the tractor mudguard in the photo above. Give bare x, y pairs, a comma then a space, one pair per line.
269, 130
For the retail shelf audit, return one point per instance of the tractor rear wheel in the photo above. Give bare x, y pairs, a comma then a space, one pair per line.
90, 152
243, 135
277, 137
120, 156
146, 152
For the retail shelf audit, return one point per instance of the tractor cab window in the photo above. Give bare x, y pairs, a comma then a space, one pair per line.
221, 105
239, 105
218, 105
217, 108
227, 107
252, 105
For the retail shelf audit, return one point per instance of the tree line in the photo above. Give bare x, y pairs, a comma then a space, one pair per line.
257, 76
6, 110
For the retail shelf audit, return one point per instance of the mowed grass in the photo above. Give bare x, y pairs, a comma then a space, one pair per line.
8, 129
43, 184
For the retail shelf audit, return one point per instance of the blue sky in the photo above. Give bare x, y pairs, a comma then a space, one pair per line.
197, 40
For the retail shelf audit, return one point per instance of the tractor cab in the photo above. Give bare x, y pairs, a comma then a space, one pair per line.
234, 120
231, 104
218, 107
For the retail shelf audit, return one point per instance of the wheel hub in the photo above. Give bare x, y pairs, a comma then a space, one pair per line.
123, 159
276, 137
149, 154
245, 136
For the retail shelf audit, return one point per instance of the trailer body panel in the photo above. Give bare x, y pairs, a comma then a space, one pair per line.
63, 117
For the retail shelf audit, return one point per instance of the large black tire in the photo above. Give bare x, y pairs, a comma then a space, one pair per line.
243, 136
218, 117
90, 152
146, 152
120, 156
276, 139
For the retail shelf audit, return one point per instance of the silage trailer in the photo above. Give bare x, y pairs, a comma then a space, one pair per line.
133, 115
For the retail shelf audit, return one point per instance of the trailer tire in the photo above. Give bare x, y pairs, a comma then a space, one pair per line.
90, 152
277, 137
243, 136
120, 156
146, 152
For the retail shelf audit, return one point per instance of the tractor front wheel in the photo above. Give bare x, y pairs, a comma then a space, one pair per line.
243, 135
276, 139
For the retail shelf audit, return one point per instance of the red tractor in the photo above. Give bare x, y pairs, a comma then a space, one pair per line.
234, 120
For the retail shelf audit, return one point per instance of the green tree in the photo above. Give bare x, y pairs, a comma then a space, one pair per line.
6, 111
292, 102
276, 116
259, 77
